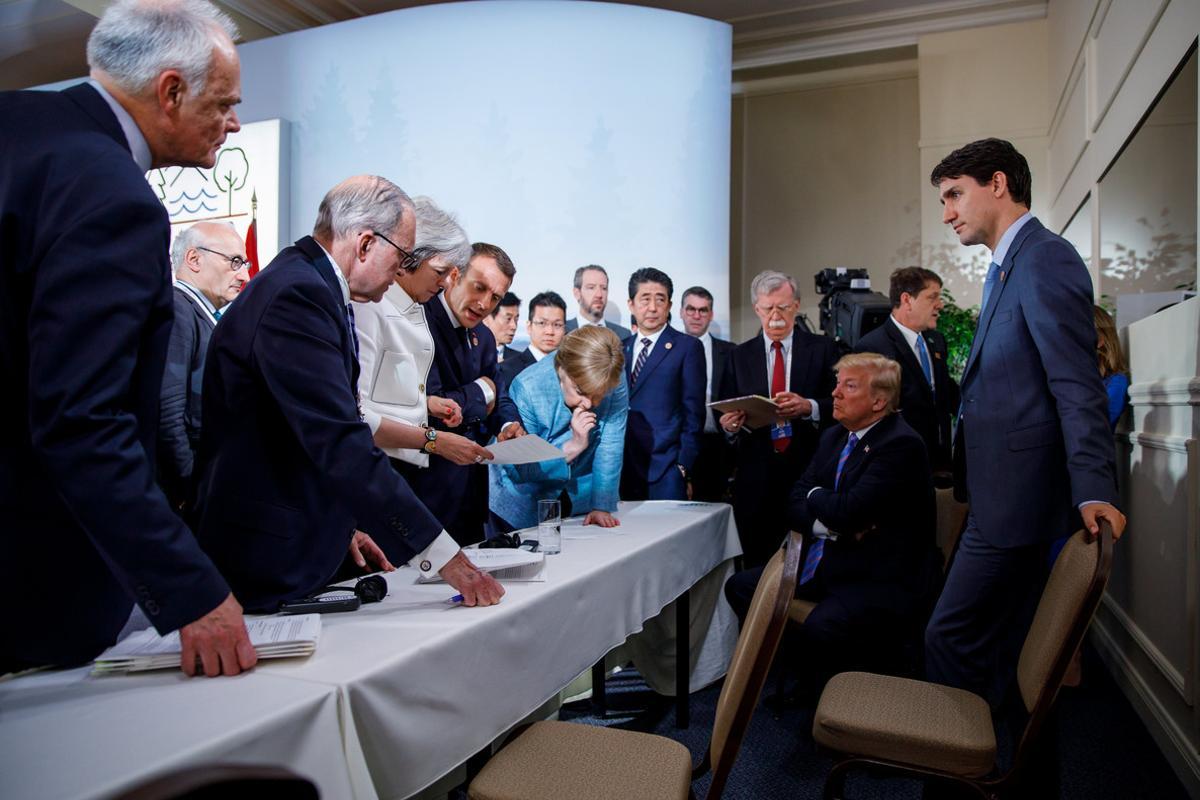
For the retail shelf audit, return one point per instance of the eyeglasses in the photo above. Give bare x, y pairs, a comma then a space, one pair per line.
545, 323
784, 309
409, 261
236, 263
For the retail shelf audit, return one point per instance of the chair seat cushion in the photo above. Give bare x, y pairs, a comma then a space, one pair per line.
560, 760
908, 722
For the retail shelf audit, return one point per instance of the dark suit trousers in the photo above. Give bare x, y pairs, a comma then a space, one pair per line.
710, 474
760, 508
670, 486
985, 609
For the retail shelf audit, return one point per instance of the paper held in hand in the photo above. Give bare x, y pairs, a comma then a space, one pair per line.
760, 411
526, 449
272, 637
504, 564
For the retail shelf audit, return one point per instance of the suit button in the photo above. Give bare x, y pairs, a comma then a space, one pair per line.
151, 608
420, 387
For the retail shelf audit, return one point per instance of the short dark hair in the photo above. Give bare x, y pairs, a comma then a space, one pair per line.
981, 160
508, 300
579, 273
494, 252
547, 299
910, 280
700, 291
647, 275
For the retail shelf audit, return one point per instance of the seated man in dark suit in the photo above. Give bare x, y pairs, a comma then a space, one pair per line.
928, 395
288, 468
665, 371
714, 465
464, 371
502, 322
210, 270
547, 313
865, 506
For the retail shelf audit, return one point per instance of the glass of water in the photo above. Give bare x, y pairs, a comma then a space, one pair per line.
549, 527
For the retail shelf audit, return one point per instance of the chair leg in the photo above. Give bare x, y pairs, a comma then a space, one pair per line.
835, 782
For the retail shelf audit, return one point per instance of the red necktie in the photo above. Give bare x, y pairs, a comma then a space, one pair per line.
779, 384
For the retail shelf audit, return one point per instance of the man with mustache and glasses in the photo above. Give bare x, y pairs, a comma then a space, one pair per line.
795, 369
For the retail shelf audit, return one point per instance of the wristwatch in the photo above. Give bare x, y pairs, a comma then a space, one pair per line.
684, 473
430, 445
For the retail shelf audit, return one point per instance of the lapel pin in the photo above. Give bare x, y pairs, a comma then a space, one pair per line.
474, 340
866, 449
937, 355
668, 345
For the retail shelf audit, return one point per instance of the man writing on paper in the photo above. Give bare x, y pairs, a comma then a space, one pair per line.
85, 319
795, 369
288, 468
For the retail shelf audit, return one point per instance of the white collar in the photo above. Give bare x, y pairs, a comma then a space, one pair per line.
399, 298
1006, 240
909, 334
538, 355
582, 320
453, 319
337, 273
787, 342
653, 337
862, 432
138, 146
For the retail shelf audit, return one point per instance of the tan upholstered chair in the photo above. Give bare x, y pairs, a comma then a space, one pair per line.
926, 730
561, 760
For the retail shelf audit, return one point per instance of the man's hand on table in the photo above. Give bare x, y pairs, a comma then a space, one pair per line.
601, 518
219, 640
477, 588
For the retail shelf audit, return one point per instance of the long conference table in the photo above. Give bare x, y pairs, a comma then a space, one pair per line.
397, 695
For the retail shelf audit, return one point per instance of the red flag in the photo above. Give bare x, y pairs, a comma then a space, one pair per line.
252, 235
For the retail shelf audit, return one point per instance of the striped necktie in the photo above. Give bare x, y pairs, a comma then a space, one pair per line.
641, 360
817, 548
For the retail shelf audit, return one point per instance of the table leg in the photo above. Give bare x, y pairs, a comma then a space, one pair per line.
599, 700
683, 661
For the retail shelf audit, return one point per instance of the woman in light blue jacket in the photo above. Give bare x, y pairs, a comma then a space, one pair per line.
578, 401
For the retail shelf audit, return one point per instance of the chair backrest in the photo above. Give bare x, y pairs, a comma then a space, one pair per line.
756, 647
1069, 601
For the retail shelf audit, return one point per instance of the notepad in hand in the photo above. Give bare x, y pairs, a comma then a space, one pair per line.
272, 637
503, 563
760, 411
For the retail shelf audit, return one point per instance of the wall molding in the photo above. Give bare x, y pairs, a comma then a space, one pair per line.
1168, 670
1169, 392
956, 140
827, 79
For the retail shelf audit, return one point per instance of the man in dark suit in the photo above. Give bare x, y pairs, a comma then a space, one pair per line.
547, 315
85, 319
502, 322
210, 270
464, 370
714, 464
1033, 433
665, 372
865, 506
591, 293
288, 469
794, 368
928, 395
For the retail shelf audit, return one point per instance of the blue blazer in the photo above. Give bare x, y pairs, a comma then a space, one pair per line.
85, 317
666, 405
287, 467
591, 480
1034, 436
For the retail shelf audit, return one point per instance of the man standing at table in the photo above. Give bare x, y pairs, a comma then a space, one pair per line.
794, 368
591, 293
288, 469
85, 318
1033, 432
710, 474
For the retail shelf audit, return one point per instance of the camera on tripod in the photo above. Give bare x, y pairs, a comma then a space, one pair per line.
849, 309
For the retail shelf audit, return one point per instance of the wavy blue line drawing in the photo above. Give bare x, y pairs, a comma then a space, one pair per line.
189, 210
196, 196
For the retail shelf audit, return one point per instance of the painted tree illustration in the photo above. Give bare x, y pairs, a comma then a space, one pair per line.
230, 172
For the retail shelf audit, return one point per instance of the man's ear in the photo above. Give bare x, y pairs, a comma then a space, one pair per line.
191, 260
999, 184
170, 89
362, 246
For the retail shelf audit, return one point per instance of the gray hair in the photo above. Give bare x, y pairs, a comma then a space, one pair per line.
134, 41
189, 237
439, 234
364, 202
768, 281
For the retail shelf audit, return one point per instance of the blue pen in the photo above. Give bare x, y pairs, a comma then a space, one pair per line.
458, 598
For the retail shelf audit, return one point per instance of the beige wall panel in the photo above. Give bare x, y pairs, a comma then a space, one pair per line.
830, 179
1068, 139
1067, 25
1118, 36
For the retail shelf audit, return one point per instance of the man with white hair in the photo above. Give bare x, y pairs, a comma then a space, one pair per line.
210, 265
85, 320
288, 468
795, 369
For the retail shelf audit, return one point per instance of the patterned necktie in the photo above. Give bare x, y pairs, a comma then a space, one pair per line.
217, 314
641, 359
353, 330
923, 356
989, 283
817, 548
779, 384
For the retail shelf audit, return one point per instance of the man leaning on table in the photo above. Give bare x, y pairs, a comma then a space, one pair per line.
85, 318
288, 468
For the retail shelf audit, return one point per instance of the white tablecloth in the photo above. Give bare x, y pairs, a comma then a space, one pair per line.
397, 694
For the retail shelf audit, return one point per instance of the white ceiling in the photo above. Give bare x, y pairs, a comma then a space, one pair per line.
42, 41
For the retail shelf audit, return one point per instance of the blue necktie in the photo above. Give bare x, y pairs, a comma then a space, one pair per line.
641, 360
923, 356
217, 314
353, 330
989, 283
817, 548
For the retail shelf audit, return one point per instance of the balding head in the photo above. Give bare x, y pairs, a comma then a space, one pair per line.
211, 256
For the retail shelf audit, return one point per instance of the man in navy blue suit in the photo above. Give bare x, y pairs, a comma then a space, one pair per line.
288, 469
464, 370
665, 371
85, 318
1033, 432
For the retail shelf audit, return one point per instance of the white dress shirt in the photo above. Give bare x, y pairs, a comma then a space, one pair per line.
815, 413
911, 337
710, 425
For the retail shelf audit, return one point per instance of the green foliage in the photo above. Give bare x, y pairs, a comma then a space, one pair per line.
958, 326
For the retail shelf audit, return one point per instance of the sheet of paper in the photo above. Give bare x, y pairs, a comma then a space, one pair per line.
524, 450
504, 563
760, 411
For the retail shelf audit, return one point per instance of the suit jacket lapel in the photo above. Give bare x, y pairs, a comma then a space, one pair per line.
759, 384
325, 268
87, 98
661, 349
447, 340
908, 359
1002, 279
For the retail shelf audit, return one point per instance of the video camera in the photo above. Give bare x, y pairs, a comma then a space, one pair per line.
849, 309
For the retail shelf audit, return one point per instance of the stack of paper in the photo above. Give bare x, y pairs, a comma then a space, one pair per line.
504, 563
272, 637
760, 411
